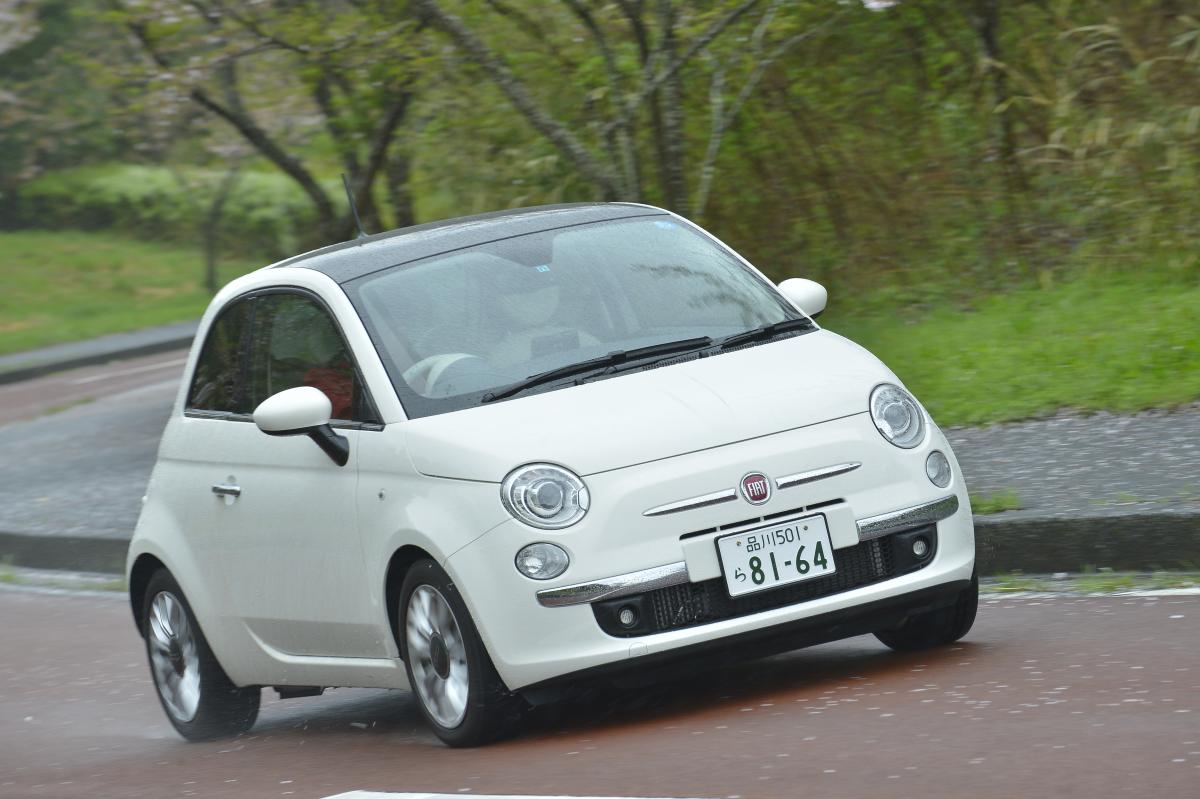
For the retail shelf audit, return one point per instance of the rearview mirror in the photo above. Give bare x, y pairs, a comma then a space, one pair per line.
807, 295
303, 411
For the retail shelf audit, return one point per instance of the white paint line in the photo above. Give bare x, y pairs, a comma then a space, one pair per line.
133, 370
378, 795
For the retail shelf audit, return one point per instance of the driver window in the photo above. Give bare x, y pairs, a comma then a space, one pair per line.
295, 343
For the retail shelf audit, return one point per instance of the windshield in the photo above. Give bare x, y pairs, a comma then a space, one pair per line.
454, 328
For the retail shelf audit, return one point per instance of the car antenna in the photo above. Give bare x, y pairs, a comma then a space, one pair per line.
362, 234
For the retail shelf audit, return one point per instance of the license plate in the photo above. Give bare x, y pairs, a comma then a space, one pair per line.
767, 557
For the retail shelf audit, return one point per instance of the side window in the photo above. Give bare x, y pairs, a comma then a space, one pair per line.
295, 343
218, 383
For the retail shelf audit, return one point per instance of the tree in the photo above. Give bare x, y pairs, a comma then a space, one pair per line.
646, 49
52, 103
287, 75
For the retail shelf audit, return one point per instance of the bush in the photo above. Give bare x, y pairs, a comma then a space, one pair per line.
266, 215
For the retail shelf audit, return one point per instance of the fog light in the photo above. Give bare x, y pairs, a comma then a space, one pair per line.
542, 561
920, 547
627, 616
937, 469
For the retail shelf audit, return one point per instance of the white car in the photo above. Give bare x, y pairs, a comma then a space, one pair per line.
491, 457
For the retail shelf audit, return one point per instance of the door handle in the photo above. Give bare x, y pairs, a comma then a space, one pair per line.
227, 490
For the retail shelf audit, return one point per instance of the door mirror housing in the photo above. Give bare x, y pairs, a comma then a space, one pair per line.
303, 411
807, 295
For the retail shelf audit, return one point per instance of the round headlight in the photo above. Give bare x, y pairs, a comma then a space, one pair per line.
937, 469
897, 416
545, 496
542, 561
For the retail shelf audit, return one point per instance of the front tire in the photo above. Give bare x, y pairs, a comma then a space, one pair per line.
199, 699
453, 679
937, 627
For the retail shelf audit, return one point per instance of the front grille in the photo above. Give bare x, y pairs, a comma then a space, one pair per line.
757, 519
680, 606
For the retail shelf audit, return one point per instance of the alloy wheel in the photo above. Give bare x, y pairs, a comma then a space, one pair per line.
437, 656
173, 656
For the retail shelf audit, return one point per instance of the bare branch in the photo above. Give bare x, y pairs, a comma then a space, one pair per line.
533, 30
723, 118
621, 139
243, 123
652, 84
515, 90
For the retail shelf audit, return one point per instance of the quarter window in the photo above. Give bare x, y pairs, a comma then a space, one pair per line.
218, 383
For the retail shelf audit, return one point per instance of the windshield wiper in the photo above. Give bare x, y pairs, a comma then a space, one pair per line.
766, 332
615, 358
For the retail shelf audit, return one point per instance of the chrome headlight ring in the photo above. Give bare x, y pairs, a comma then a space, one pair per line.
545, 496
897, 416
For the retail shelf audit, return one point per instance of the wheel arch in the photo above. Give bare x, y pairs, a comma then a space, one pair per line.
139, 578
398, 565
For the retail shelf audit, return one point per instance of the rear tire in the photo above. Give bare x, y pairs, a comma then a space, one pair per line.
937, 627
452, 678
198, 697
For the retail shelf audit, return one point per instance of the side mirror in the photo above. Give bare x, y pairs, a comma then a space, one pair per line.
303, 411
807, 295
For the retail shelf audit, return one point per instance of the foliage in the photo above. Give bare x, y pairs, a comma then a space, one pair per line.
53, 102
267, 216
278, 73
1017, 178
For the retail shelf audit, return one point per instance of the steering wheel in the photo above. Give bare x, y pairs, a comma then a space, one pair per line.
423, 375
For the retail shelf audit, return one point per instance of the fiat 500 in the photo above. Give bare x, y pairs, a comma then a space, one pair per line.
488, 458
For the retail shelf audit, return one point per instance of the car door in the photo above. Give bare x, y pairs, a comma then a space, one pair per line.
290, 546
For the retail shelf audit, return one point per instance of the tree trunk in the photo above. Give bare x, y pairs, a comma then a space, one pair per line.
211, 229
671, 146
598, 174
987, 19
399, 192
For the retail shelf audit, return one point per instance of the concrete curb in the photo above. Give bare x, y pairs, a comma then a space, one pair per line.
1128, 542
64, 553
35, 363
1142, 542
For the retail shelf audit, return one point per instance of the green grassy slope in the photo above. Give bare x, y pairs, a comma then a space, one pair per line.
67, 286
1121, 343
1118, 343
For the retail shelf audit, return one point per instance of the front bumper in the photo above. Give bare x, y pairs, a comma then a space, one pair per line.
531, 643
832, 626
660, 577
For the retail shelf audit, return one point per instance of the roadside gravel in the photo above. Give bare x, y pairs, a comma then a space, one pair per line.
1104, 464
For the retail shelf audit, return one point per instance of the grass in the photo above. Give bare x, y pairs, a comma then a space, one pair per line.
1120, 342
66, 580
69, 286
995, 503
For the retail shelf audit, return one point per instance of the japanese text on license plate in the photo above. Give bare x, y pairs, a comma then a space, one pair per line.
785, 552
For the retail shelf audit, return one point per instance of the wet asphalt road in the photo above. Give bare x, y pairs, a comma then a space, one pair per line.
86, 440
1089, 697
79, 446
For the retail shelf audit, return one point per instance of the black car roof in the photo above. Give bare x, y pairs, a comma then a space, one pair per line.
352, 259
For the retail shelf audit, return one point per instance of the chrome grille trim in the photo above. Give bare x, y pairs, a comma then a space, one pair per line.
715, 498
814, 475
916, 516
610, 587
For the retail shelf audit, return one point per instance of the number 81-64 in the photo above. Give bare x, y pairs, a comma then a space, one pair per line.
803, 566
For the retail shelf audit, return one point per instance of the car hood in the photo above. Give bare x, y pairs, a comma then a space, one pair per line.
653, 414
